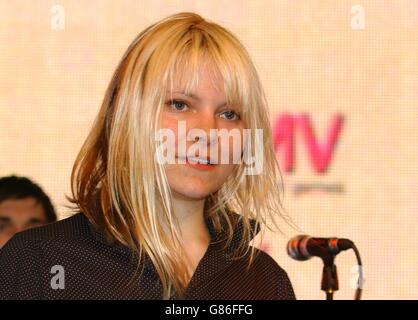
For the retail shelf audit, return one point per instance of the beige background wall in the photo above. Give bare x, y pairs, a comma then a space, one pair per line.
311, 59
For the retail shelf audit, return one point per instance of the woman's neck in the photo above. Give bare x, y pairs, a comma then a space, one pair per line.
195, 235
190, 214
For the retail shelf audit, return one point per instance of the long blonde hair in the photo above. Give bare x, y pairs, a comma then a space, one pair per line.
119, 186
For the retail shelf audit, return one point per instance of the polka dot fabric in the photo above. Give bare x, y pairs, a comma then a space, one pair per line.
94, 269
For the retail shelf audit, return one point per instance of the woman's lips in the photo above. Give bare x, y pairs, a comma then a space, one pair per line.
200, 166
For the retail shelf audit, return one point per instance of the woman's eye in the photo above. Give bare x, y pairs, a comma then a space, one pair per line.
177, 105
230, 115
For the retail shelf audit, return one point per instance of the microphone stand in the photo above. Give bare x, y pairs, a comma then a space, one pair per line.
329, 282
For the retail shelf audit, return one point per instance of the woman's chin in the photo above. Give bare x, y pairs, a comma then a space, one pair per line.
190, 193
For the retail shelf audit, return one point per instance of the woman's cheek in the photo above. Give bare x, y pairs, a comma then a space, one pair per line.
169, 127
235, 147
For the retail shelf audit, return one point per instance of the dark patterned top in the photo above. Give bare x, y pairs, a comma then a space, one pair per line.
69, 259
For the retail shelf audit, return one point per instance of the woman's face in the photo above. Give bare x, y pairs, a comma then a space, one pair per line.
204, 109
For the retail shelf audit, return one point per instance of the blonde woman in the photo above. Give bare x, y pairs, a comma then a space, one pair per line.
152, 229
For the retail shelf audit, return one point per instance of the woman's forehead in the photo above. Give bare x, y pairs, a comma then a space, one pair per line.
188, 78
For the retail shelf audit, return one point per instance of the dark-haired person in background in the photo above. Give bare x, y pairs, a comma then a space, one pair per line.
23, 205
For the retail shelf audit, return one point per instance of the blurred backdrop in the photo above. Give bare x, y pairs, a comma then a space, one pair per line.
341, 78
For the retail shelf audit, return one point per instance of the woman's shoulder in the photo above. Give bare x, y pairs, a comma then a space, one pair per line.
34, 242
268, 265
73, 226
262, 279
267, 262
21, 257
266, 270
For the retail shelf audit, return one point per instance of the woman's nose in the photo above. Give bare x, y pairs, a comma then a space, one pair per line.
204, 130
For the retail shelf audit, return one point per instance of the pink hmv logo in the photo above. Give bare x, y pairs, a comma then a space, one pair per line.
319, 151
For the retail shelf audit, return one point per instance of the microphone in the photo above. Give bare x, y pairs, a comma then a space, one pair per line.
304, 247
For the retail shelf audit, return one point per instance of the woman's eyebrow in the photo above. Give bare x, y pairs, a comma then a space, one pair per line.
191, 95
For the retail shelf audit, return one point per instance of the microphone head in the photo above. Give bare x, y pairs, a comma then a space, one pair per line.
304, 247
296, 248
